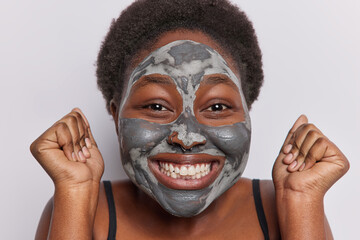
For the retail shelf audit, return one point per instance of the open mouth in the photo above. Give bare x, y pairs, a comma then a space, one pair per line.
186, 171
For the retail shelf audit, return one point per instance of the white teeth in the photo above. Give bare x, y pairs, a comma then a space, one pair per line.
191, 171
171, 167
183, 170
195, 171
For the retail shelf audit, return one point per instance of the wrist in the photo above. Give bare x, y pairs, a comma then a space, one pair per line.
289, 195
74, 209
83, 188
79, 195
301, 192
301, 216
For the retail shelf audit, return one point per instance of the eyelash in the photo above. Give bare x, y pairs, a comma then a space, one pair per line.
154, 106
212, 107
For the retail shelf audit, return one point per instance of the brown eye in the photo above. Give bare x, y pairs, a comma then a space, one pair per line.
156, 107
217, 107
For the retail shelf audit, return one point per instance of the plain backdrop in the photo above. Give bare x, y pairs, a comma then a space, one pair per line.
48, 50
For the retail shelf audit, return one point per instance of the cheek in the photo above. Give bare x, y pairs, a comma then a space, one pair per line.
233, 140
140, 134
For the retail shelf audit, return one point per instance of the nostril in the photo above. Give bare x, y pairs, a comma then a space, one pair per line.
173, 139
170, 139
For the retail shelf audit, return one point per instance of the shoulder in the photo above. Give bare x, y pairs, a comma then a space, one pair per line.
122, 196
267, 191
244, 189
44, 223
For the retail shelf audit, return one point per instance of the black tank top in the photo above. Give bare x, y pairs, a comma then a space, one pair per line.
257, 198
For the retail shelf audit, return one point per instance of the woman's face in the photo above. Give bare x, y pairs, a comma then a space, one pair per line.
184, 128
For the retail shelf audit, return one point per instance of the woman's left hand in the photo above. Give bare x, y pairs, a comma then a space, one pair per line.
308, 163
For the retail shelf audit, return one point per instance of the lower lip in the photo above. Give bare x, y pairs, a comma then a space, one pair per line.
185, 184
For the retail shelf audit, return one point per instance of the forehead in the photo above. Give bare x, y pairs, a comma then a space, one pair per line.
185, 61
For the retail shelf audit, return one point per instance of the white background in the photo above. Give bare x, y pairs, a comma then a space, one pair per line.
48, 51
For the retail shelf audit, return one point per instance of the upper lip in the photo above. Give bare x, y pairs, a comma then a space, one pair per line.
186, 158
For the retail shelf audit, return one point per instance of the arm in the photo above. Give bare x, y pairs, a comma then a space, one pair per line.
68, 153
307, 166
301, 218
44, 223
73, 213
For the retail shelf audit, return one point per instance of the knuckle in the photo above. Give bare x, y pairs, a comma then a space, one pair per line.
76, 109
314, 134
291, 131
310, 126
78, 115
34, 148
346, 165
72, 119
322, 141
61, 126
307, 127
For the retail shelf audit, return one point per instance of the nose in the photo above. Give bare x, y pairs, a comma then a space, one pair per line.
186, 141
185, 133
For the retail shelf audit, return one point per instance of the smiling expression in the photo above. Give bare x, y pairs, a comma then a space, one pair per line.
184, 127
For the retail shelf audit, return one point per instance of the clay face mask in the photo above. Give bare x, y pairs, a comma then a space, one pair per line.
184, 165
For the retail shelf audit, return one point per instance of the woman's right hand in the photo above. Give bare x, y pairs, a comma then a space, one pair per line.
68, 152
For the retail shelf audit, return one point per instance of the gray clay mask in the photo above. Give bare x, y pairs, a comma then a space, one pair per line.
224, 148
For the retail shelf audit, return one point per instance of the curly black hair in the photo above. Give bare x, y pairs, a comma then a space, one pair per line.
144, 20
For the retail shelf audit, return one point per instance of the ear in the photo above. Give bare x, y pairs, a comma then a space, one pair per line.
115, 114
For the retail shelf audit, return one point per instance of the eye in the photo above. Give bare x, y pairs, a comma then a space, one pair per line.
217, 107
156, 107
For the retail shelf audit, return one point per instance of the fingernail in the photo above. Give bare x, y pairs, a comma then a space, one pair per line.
293, 164
88, 142
302, 167
81, 156
288, 158
86, 152
287, 148
73, 156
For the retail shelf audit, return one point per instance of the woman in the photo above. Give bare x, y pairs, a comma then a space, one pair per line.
179, 82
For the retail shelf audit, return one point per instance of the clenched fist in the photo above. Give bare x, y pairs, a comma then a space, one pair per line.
308, 163
68, 152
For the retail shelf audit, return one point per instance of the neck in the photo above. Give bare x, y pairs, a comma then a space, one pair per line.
154, 213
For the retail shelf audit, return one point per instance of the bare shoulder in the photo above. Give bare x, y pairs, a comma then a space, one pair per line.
44, 223
244, 187
120, 190
267, 191
242, 193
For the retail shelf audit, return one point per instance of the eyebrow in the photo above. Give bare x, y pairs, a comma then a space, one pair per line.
212, 80
146, 80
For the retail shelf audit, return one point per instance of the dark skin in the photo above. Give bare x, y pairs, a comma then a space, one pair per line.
231, 216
